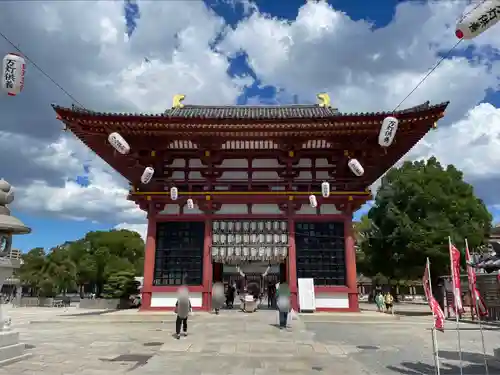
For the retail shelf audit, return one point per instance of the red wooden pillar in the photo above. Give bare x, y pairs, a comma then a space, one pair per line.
207, 266
149, 263
350, 264
292, 264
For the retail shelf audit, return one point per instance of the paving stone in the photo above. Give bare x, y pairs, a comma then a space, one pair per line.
236, 343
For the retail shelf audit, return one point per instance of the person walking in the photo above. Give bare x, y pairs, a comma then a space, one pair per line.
182, 309
283, 302
379, 301
389, 303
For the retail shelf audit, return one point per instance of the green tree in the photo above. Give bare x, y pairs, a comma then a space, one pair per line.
92, 260
362, 231
416, 208
121, 285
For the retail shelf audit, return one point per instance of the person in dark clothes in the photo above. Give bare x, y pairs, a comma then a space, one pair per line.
182, 309
231, 290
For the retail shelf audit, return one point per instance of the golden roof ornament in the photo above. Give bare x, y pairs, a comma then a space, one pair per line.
324, 100
177, 101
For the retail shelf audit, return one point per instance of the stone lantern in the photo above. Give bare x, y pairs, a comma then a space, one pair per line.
10, 348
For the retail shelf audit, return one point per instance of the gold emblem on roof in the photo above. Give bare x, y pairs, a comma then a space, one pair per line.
177, 101
324, 99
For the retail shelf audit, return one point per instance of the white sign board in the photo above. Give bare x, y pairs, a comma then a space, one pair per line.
307, 298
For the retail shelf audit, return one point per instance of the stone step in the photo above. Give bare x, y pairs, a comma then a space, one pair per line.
8, 338
11, 351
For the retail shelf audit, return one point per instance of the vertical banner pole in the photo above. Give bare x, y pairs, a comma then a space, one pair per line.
456, 298
472, 289
435, 347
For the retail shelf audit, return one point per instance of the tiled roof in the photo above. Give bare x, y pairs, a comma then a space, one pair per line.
250, 112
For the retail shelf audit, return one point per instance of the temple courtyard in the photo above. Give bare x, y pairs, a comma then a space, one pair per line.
76, 341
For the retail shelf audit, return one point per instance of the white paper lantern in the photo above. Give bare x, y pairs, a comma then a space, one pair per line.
174, 193
262, 251
223, 239
237, 251
147, 175
283, 225
325, 189
388, 131
215, 251
190, 204
276, 226
276, 239
223, 226
230, 251
260, 226
237, 226
13, 70
284, 238
215, 226
276, 252
230, 226
253, 238
269, 238
261, 238
237, 238
230, 238
478, 20
312, 201
215, 238
119, 143
269, 252
269, 225
253, 252
356, 167
246, 252
246, 226
253, 226
246, 238
284, 252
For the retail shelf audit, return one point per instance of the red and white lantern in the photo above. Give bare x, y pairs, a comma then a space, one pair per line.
478, 20
13, 70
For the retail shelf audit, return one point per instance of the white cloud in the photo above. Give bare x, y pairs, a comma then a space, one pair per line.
139, 228
322, 50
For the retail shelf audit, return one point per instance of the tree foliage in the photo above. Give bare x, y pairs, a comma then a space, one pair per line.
121, 284
416, 208
92, 261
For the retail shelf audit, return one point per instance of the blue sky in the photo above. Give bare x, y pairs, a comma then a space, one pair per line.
48, 232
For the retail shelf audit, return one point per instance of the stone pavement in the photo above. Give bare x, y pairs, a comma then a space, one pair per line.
126, 342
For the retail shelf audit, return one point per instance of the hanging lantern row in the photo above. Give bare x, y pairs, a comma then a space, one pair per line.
236, 254
249, 226
250, 239
13, 71
477, 21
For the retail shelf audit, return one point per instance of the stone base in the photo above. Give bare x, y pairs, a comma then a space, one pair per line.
11, 350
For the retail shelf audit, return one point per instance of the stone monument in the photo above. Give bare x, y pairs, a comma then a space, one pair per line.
11, 349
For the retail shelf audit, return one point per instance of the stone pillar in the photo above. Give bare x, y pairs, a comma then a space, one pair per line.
11, 349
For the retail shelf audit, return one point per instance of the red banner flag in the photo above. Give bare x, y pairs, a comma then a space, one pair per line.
437, 313
455, 278
477, 300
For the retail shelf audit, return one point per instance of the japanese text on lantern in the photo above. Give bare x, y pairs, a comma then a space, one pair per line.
10, 74
484, 21
388, 132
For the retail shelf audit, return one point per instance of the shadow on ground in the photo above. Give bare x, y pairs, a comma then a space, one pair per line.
473, 364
